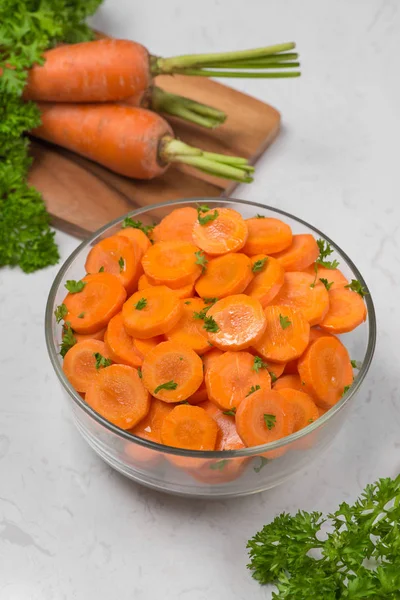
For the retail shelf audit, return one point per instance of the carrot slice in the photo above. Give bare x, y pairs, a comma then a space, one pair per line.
172, 263
291, 365
299, 292
220, 231
304, 408
101, 298
120, 344
189, 427
144, 346
119, 256
137, 236
227, 438
315, 334
235, 323
333, 276
288, 381
302, 252
178, 225
79, 363
231, 377
119, 396
149, 427
97, 335
172, 372
201, 394
225, 275
151, 312
189, 330
268, 278
267, 236
326, 370
286, 335
264, 417
347, 311
183, 292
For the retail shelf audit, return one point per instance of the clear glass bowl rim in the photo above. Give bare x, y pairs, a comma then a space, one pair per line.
246, 452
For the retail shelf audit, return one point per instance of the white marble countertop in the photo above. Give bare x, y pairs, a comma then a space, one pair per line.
70, 527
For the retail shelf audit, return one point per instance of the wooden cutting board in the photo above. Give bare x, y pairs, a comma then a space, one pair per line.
82, 196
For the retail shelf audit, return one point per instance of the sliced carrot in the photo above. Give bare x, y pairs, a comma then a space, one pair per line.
183, 292
326, 370
264, 417
316, 333
189, 330
151, 312
231, 377
286, 335
275, 369
136, 236
119, 256
347, 311
120, 344
100, 299
220, 231
300, 292
172, 263
302, 252
189, 427
149, 427
333, 276
291, 365
235, 323
227, 438
97, 335
304, 408
144, 346
172, 372
177, 225
267, 236
225, 275
119, 396
201, 394
322, 411
79, 363
268, 278
219, 471
288, 381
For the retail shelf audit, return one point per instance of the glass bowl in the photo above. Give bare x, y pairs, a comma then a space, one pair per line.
195, 473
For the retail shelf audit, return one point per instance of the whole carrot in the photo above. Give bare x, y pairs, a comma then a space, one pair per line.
134, 142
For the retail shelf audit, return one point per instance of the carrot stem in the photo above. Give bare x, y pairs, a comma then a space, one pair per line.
237, 74
186, 109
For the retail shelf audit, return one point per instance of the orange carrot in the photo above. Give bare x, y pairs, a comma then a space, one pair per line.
189, 330
300, 254
172, 263
333, 276
97, 335
178, 225
220, 231
267, 236
99, 300
80, 363
268, 278
227, 438
304, 408
291, 366
182, 292
172, 372
325, 368
286, 335
119, 396
149, 427
144, 346
119, 256
288, 381
201, 394
137, 236
235, 323
120, 344
346, 311
189, 427
300, 292
225, 275
232, 376
151, 312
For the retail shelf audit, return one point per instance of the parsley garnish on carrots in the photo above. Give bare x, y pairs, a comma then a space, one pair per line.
258, 364
168, 385
259, 265
327, 284
355, 286
101, 270
210, 325
253, 389
219, 465
231, 412
201, 260
139, 372
141, 304
270, 421
74, 287
203, 208
284, 321
68, 339
263, 462
147, 229
325, 250
121, 264
352, 553
60, 312
101, 361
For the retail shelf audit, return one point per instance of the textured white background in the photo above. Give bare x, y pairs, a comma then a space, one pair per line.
70, 528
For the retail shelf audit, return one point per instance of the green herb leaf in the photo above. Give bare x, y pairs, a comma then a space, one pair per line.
253, 389
168, 385
101, 361
355, 286
60, 312
201, 260
356, 364
210, 325
219, 465
101, 270
210, 301
273, 376
263, 462
81, 315
284, 321
139, 372
188, 302
147, 229
68, 339
208, 218
326, 283
74, 287
141, 304
258, 216
210, 344
121, 263
325, 250
202, 208
259, 265
270, 421
258, 364
346, 389
231, 412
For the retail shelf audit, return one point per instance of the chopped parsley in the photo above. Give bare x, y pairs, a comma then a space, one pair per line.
101, 361
141, 304
355, 286
210, 325
74, 287
201, 260
269, 421
259, 265
60, 312
253, 389
168, 385
284, 321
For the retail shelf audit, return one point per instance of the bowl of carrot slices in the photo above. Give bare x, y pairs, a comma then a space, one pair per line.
209, 348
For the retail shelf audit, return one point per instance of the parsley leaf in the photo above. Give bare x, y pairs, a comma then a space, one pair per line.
141, 304
258, 216
219, 465
101, 361
121, 263
81, 315
231, 412
101, 270
346, 389
270, 421
263, 462
74, 287
273, 376
201, 260
208, 218
325, 250
68, 339
168, 385
203, 312
326, 283
210, 325
60, 312
356, 364
355, 286
253, 389
139, 372
202, 208
187, 302
284, 321
210, 301
147, 229
259, 265
258, 364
